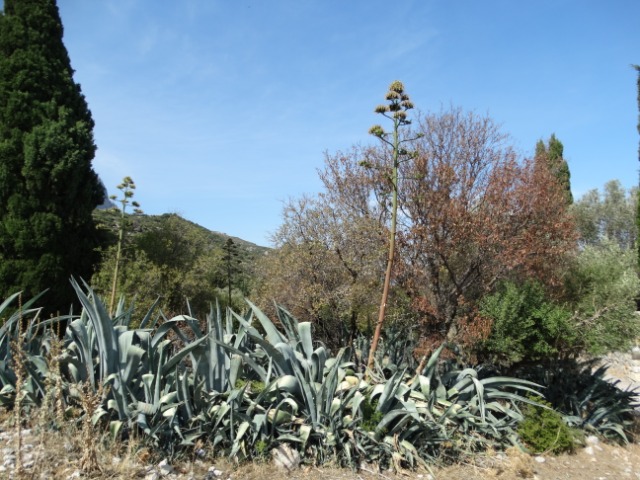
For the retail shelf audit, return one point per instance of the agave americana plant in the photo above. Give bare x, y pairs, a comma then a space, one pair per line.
245, 383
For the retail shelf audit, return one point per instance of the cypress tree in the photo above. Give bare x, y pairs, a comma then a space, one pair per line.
231, 259
48, 188
637, 67
553, 151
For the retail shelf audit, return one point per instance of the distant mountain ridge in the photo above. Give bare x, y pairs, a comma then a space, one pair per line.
107, 203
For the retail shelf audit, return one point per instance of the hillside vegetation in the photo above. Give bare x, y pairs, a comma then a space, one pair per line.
171, 258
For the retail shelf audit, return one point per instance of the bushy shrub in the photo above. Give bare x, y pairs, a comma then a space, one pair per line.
601, 289
526, 326
543, 429
371, 417
597, 313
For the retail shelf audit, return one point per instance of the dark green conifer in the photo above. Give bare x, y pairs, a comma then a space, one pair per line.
637, 67
48, 188
553, 152
232, 262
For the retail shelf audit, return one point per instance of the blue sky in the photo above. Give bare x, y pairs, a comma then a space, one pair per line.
221, 110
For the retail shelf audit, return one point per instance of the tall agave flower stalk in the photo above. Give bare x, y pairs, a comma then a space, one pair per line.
395, 110
127, 187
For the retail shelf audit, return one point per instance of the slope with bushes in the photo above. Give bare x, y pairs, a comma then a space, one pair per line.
172, 258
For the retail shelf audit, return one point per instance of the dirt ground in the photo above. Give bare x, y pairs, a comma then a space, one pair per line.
597, 462
59, 457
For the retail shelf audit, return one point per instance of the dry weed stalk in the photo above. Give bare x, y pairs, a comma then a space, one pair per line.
53, 395
18, 357
56, 352
91, 401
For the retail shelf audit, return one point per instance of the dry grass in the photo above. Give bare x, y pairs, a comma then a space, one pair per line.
520, 464
90, 402
18, 358
60, 454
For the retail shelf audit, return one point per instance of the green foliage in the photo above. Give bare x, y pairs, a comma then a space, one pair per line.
262, 448
553, 152
254, 386
543, 429
48, 188
597, 314
637, 212
371, 416
170, 257
527, 326
233, 265
601, 288
607, 216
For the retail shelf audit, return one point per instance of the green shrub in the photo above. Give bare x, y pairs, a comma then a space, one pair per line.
371, 416
526, 326
262, 448
256, 387
601, 289
543, 429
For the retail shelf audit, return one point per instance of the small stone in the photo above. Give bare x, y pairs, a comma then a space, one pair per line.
635, 353
589, 450
75, 474
592, 440
540, 459
214, 472
152, 476
165, 468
